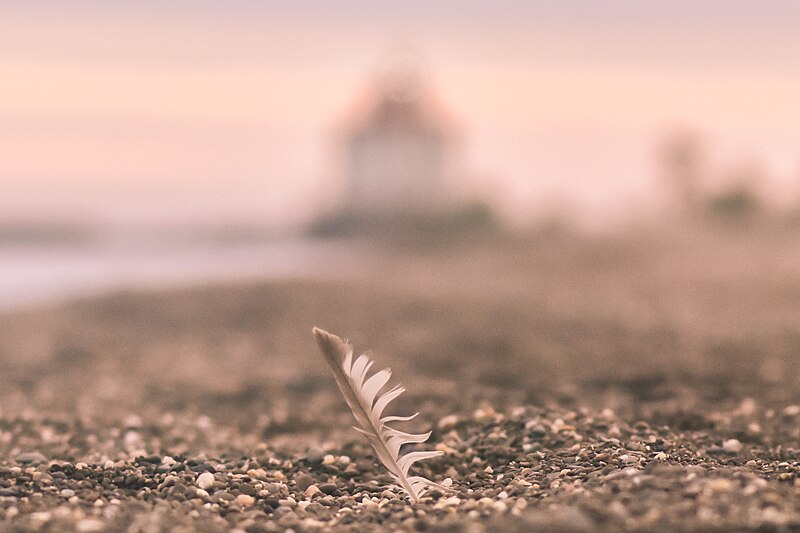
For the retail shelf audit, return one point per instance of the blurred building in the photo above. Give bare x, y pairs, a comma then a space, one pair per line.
397, 153
399, 163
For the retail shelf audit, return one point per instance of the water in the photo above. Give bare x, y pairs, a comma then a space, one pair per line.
37, 275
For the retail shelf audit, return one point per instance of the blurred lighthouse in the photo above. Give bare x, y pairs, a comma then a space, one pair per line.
397, 154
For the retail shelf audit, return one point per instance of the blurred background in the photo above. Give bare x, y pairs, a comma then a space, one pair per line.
158, 142
595, 202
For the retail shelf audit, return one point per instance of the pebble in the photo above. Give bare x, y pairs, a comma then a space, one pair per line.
791, 410
89, 525
30, 457
484, 474
732, 446
330, 489
452, 501
257, 473
315, 455
245, 500
205, 480
447, 421
720, 485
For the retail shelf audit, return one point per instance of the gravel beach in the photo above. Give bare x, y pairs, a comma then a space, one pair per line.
573, 384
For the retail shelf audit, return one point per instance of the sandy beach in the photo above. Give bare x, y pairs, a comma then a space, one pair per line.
575, 383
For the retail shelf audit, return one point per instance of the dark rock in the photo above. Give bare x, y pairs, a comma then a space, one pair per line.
330, 489
30, 457
303, 481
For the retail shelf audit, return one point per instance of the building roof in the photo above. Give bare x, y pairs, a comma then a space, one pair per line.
406, 115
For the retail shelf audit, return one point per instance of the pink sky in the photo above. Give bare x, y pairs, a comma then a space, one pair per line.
175, 111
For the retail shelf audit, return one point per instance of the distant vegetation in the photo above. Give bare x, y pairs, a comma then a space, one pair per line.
472, 219
739, 203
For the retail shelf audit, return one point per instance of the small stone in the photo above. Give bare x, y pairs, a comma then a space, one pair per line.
732, 446
245, 500
303, 481
273, 488
747, 407
41, 517
67, 493
791, 410
132, 421
535, 429
30, 457
132, 442
205, 480
452, 501
258, 473
224, 496
330, 489
365, 465
89, 525
448, 421
499, 506
720, 485
288, 502
273, 503
315, 455
311, 491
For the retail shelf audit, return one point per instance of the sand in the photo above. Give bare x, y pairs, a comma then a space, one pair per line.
638, 381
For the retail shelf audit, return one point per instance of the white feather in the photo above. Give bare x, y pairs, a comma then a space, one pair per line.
362, 396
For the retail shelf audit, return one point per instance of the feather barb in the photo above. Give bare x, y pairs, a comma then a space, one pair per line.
363, 396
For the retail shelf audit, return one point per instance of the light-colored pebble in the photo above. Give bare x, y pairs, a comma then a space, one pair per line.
245, 500
732, 446
205, 480
89, 525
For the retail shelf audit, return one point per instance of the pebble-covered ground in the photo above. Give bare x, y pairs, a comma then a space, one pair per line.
525, 469
574, 385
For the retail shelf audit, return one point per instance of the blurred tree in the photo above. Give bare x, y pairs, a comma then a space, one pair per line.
739, 201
